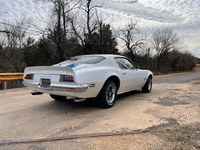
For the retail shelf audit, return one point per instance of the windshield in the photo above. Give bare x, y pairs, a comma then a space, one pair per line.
82, 60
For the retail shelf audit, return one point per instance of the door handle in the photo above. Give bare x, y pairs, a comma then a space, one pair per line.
124, 73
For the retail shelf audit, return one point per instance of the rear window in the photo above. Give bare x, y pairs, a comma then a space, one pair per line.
83, 60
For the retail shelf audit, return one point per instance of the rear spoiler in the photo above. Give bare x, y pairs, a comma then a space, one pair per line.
49, 70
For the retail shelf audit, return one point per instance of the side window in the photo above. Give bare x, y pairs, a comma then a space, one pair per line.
120, 63
128, 64
124, 63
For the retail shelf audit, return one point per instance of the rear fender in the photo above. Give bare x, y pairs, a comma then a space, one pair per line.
109, 76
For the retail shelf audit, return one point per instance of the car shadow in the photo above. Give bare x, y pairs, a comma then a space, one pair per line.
128, 94
66, 106
89, 105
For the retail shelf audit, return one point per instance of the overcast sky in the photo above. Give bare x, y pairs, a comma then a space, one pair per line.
182, 15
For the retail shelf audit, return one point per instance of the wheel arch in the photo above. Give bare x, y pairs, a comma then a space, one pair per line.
115, 79
101, 98
150, 75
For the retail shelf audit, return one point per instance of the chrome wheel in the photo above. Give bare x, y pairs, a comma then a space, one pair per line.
149, 84
110, 93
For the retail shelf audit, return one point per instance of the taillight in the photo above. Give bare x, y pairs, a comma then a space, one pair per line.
66, 78
29, 76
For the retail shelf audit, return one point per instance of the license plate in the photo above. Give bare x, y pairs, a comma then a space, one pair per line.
46, 83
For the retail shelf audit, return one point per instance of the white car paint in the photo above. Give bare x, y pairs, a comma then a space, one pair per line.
85, 75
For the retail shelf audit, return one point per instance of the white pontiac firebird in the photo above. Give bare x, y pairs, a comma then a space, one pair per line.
89, 76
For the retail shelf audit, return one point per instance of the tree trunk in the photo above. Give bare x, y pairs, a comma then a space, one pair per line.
88, 28
59, 35
158, 63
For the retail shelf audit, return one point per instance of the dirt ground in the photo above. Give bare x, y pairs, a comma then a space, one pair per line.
167, 118
180, 107
183, 111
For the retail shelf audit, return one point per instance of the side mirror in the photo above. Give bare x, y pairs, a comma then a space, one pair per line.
137, 67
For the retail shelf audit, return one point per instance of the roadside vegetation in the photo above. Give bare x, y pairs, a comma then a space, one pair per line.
75, 28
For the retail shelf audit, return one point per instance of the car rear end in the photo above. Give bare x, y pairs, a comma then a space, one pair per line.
55, 80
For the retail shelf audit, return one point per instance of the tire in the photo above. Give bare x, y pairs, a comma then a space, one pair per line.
58, 98
148, 85
108, 94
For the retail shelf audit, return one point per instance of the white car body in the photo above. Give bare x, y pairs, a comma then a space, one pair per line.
88, 78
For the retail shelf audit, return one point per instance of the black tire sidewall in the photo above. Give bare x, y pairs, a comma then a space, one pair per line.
146, 89
101, 98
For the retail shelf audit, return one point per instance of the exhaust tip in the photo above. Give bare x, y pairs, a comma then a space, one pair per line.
36, 93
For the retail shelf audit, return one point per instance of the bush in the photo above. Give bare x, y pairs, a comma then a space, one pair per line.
173, 61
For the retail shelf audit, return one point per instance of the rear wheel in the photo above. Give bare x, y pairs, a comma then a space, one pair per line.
58, 98
107, 95
148, 85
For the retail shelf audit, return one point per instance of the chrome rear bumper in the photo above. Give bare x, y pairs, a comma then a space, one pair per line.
57, 87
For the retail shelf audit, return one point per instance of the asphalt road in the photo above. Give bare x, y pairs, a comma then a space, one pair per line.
184, 78
24, 117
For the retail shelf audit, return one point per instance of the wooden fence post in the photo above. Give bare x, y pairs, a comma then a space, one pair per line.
5, 85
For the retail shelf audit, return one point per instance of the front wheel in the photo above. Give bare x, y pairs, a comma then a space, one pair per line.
108, 94
58, 98
148, 85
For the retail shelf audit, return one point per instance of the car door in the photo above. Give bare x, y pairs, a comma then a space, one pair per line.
131, 75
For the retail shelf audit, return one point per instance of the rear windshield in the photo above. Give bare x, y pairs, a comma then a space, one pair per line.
83, 60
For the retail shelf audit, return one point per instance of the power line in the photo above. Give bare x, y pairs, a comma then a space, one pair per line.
34, 30
12, 25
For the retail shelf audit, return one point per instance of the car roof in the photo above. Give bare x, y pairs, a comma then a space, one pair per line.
105, 55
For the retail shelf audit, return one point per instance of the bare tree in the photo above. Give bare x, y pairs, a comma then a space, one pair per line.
14, 37
163, 41
129, 35
100, 24
59, 32
89, 28
62, 9
77, 30
147, 56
